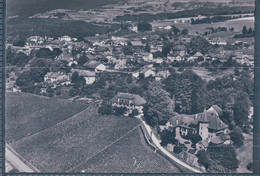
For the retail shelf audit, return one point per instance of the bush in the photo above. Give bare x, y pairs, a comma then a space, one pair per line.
134, 113
168, 137
118, 111
237, 137
177, 149
203, 159
105, 110
250, 167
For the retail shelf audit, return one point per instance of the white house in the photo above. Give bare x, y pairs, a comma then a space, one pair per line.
65, 38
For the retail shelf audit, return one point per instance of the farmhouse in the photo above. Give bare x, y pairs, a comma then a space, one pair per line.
130, 101
207, 124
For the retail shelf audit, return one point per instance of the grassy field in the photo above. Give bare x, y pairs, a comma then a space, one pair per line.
28, 114
245, 154
202, 28
129, 154
65, 145
206, 75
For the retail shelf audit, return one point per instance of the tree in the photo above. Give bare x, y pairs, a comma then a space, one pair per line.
74, 77
168, 137
144, 26
83, 59
19, 41
177, 149
175, 30
223, 155
241, 109
185, 32
237, 137
244, 31
128, 50
134, 113
147, 48
105, 109
250, 31
166, 49
160, 106
203, 159
118, 111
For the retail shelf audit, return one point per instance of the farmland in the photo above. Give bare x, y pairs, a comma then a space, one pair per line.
70, 142
201, 28
28, 114
130, 154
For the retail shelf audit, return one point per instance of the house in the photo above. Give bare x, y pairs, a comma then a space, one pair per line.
162, 74
65, 38
148, 57
89, 76
147, 71
207, 124
56, 78
95, 66
129, 101
217, 41
120, 64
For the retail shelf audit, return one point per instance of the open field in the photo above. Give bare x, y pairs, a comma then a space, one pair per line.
129, 154
206, 75
201, 28
28, 114
65, 145
244, 152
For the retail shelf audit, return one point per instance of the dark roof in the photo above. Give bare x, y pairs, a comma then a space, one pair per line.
208, 116
204, 117
137, 100
92, 64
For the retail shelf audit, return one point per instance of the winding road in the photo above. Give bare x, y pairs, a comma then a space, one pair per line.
156, 141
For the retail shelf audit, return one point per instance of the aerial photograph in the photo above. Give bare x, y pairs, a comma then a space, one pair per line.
129, 86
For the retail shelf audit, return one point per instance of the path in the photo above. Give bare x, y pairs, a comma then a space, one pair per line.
157, 141
12, 157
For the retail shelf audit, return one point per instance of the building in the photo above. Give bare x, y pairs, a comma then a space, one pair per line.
129, 101
89, 76
207, 124
65, 38
162, 74
120, 64
147, 71
95, 66
217, 41
56, 77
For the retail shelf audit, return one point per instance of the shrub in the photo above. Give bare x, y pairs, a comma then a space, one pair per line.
118, 111
134, 113
177, 149
105, 110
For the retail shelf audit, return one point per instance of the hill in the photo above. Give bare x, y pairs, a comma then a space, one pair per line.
25, 8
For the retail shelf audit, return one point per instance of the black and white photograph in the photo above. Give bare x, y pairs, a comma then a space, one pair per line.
129, 86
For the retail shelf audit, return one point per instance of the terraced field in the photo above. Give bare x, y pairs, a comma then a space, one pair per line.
128, 155
28, 114
46, 133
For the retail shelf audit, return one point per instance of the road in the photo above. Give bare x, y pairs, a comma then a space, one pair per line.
157, 141
11, 157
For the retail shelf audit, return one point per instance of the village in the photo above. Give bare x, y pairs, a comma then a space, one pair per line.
180, 80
